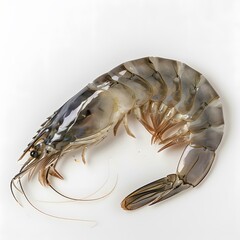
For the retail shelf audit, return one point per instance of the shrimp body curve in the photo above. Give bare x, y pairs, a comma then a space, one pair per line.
175, 103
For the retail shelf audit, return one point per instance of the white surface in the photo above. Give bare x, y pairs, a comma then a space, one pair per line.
49, 50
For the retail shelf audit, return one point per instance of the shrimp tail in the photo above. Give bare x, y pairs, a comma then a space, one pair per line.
154, 192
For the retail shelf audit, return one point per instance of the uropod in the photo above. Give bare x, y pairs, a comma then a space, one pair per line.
175, 103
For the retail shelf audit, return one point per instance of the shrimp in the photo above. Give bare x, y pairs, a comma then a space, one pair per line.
175, 103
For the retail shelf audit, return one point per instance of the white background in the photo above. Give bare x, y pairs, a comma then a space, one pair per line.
49, 50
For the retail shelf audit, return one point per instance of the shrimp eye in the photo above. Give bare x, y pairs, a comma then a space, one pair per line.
34, 154
88, 113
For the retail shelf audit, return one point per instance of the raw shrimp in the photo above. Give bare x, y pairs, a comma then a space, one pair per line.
175, 103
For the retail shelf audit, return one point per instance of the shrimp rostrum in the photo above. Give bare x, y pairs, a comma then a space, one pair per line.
175, 103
